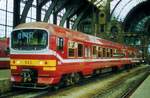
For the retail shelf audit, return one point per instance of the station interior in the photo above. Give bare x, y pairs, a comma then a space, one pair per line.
126, 22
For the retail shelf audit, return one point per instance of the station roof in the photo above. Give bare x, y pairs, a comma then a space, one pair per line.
120, 8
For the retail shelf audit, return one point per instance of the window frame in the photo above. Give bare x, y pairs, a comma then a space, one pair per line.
60, 45
74, 48
94, 55
82, 54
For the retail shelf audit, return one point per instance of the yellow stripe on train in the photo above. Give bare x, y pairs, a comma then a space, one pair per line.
28, 62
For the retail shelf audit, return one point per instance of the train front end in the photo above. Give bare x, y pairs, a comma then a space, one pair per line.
30, 60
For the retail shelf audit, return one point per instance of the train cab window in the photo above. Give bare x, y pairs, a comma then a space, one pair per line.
94, 51
80, 50
71, 48
60, 43
87, 52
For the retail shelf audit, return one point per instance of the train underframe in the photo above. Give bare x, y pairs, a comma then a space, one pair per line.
35, 78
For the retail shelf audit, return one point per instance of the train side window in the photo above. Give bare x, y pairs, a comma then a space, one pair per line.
71, 48
60, 43
99, 52
87, 52
104, 52
124, 52
108, 52
80, 50
94, 52
111, 52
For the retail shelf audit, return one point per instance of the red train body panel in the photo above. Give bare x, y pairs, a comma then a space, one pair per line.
4, 55
42, 53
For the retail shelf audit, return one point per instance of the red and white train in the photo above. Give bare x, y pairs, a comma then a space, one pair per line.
4, 53
43, 55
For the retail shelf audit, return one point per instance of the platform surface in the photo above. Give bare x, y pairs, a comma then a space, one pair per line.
5, 83
4, 74
143, 91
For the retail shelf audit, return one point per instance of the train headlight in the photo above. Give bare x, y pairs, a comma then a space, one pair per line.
18, 62
41, 63
13, 67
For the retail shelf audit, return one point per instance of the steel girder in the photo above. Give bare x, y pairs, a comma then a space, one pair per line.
42, 2
16, 14
61, 4
115, 8
49, 11
73, 7
79, 17
65, 16
26, 10
70, 13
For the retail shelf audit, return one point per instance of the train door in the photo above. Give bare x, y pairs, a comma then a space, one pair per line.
88, 59
60, 45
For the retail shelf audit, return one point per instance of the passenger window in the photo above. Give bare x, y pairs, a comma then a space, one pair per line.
71, 52
100, 52
94, 52
71, 48
108, 52
124, 52
111, 52
60, 43
104, 52
87, 52
80, 50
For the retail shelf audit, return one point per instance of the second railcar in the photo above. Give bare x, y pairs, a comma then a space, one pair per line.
4, 53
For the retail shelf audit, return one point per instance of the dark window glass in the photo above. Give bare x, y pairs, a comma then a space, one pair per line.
94, 51
80, 50
104, 52
29, 39
71, 48
60, 44
99, 52
71, 52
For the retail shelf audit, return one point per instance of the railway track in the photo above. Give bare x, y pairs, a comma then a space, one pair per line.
112, 85
106, 85
20, 93
131, 90
125, 85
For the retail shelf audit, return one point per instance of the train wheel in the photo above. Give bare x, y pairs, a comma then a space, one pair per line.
76, 78
71, 79
68, 80
55, 87
114, 69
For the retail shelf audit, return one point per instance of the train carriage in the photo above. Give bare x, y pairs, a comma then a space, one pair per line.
43, 54
4, 53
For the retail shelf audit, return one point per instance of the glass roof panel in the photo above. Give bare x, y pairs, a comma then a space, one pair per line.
98, 3
123, 7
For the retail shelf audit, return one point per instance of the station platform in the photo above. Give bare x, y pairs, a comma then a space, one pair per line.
5, 84
143, 91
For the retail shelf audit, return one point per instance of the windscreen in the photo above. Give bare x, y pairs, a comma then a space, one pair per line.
29, 39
